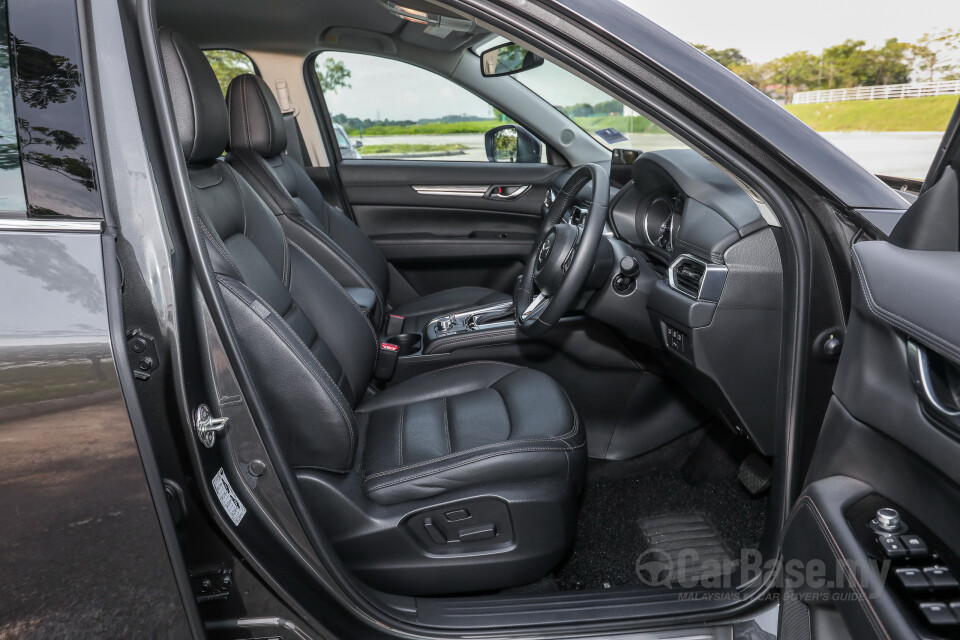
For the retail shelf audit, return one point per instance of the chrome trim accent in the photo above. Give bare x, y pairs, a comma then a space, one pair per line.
206, 426
462, 190
521, 189
534, 305
919, 366
711, 284
468, 319
66, 225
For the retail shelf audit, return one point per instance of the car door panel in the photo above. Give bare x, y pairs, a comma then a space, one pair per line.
449, 231
881, 446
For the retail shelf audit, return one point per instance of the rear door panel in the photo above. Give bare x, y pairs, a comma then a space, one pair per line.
439, 239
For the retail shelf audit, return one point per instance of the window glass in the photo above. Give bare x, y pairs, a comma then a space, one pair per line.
609, 121
881, 90
393, 110
12, 197
228, 64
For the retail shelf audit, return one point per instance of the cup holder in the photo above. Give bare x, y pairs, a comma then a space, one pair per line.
407, 342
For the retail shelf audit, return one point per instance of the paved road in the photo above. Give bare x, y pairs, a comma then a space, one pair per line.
901, 154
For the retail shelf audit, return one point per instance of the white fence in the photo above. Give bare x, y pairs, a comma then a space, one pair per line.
879, 92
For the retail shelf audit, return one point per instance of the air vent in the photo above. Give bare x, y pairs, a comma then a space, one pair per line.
698, 279
687, 276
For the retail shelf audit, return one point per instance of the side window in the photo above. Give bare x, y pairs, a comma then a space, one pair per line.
228, 64
387, 109
12, 199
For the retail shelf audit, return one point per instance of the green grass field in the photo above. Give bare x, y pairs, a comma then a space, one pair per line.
374, 149
434, 128
591, 123
909, 114
621, 123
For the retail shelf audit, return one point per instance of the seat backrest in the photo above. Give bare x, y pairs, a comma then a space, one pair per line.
310, 349
258, 140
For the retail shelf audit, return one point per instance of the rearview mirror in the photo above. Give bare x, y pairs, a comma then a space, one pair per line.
506, 59
511, 143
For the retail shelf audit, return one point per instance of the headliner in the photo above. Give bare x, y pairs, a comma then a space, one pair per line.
287, 26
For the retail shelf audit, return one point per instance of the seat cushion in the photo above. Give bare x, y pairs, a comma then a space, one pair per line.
417, 313
478, 423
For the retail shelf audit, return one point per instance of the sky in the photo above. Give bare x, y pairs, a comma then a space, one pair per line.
767, 29
761, 29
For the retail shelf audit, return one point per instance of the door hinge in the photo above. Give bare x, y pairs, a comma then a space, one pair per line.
211, 583
143, 354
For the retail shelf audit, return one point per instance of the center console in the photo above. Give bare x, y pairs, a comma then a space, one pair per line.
470, 321
406, 354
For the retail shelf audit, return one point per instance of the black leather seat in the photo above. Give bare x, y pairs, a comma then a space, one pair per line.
497, 442
258, 142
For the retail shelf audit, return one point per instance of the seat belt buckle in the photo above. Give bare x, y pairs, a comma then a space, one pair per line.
394, 324
387, 361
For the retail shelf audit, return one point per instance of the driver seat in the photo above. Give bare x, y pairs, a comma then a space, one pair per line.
258, 141
462, 479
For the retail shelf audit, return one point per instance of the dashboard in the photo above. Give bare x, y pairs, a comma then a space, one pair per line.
708, 298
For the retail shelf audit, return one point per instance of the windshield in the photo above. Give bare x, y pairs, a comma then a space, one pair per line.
608, 120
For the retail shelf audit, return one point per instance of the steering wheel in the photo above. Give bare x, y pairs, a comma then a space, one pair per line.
563, 254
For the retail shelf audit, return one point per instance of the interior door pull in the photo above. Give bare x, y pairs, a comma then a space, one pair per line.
507, 192
923, 382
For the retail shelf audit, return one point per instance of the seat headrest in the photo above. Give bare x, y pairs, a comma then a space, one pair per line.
198, 104
256, 122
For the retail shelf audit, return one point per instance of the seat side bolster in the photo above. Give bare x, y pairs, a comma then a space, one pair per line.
339, 321
507, 461
312, 420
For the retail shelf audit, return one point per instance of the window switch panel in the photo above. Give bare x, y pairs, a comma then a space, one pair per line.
915, 545
940, 578
912, 578
937, 613
892, 546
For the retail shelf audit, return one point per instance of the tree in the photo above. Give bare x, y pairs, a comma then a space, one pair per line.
888, 64
934, 55
795, 72
228, 64
579, 110
608, 107
333, 75
727, 57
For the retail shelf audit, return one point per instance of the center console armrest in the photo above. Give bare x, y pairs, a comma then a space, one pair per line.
365, 298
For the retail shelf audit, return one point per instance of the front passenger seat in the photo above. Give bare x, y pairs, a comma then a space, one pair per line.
462, 479
258, 141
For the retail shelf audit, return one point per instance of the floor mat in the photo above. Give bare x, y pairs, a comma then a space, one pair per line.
683, 549
618, 494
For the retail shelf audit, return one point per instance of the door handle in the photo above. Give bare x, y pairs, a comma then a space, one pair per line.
923, 381
506, 192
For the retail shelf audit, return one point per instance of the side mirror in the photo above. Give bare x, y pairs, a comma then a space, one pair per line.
511, 143
507, 59
358, 144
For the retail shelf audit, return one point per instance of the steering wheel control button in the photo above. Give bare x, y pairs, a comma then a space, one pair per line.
937, 614
915, 545
940, 578
892, 546
912, 579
